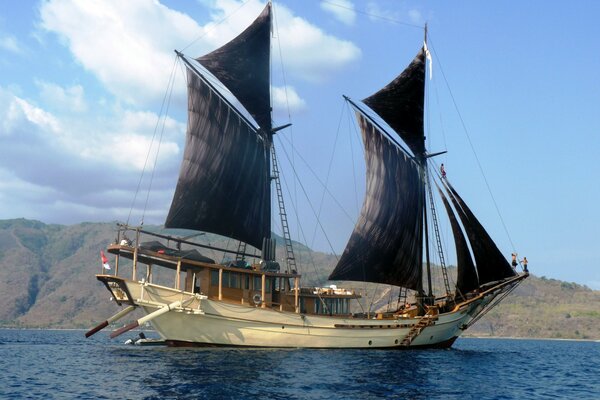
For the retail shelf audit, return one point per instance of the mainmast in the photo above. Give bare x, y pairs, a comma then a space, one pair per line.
423, 163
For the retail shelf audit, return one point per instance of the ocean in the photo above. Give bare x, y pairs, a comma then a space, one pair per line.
46, 364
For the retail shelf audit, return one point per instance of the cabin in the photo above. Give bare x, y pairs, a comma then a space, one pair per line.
257, 284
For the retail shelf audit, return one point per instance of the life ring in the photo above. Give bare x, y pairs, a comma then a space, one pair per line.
257, 299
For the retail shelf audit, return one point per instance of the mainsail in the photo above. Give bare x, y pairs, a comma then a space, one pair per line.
224, 180
384, 246
386, 243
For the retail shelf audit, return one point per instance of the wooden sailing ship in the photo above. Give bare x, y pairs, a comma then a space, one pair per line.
224, 187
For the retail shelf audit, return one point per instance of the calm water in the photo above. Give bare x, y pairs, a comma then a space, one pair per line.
63, 364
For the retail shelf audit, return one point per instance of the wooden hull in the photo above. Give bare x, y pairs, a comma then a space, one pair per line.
205, 322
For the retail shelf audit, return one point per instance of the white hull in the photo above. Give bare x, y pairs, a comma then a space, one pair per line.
209, 322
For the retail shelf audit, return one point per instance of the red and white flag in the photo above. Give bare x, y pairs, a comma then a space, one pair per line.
105, 264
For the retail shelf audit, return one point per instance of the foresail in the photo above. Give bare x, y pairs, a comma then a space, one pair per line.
223, 184
400, 104
466, 279
491, 264
243, 66
385, 244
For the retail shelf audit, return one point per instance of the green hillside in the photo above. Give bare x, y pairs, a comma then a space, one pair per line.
47, 281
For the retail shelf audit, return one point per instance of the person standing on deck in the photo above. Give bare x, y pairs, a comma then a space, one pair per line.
524, 264
514, 260
443, 171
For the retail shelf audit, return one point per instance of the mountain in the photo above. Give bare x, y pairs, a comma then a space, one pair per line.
47, 281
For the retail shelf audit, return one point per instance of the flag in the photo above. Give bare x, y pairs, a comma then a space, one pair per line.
105, 264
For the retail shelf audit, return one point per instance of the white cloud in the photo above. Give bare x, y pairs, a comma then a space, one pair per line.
416, 17
65, 99
74, 157
378, 14
342, 10
287, 99
9, 43
128, 45
308, 52
19, 109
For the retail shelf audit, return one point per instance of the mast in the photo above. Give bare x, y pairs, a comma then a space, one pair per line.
423, 162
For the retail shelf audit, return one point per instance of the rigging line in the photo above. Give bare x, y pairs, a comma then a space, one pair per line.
473, 149
310, 251
309, 202
317, 178
368, 14
162, 106
337, 134
287, 101
212, 28
162, 131
437, 102
373, 298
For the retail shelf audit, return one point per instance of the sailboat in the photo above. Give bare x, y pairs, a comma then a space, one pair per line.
224, 187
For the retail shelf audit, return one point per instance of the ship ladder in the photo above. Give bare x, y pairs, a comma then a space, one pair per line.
425, 321
290, 260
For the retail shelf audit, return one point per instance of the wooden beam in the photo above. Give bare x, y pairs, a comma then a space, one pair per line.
263, 291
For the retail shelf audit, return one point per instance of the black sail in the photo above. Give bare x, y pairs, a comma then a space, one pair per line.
400, 104
243, 66
466, 279
491, 264
384, 246
224, 180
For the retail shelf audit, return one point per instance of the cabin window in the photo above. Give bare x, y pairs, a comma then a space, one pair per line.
226, 278
246, 282
331, 306
234, 281
268, 284
214, 277
257, 283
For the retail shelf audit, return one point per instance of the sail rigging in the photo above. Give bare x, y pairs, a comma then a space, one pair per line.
389, 239
224, 179
491, 264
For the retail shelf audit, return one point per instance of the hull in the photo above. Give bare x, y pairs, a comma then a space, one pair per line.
204, 322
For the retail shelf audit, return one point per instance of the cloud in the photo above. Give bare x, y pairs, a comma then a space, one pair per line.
10, 43
69, 99
309, 53
75, 160
71, 153
416, 17
287, 99
128, 45
342, 10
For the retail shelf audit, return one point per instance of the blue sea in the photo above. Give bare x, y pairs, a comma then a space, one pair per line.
50, 364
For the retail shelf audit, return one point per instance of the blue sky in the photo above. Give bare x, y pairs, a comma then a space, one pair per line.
82, 84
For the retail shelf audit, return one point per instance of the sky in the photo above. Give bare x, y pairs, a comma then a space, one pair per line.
513, 97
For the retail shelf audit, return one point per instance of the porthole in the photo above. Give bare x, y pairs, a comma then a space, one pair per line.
370, 342
396, 341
